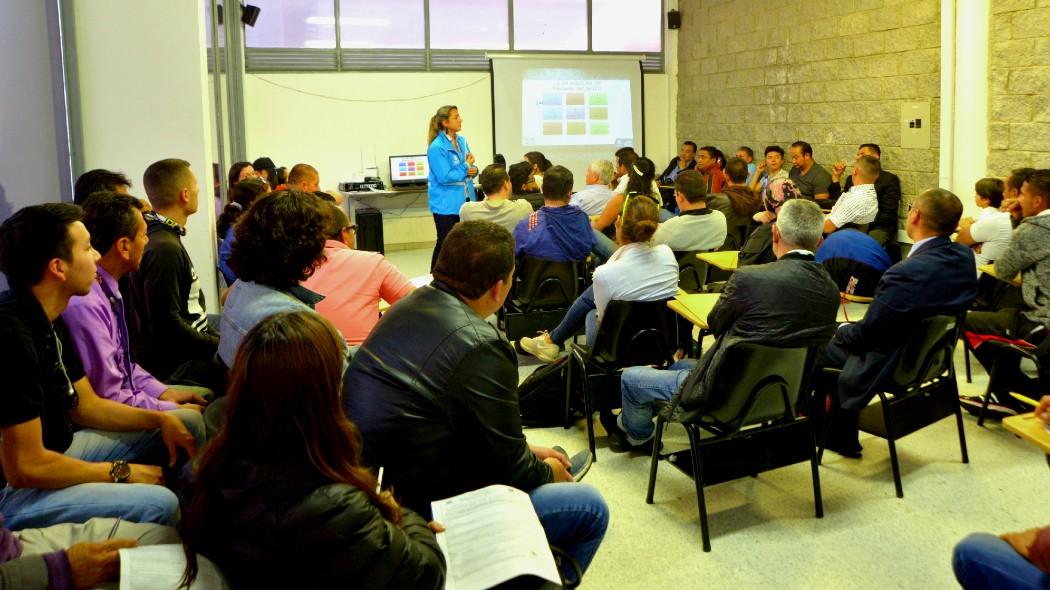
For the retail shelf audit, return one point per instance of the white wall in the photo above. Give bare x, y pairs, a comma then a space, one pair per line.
144, 97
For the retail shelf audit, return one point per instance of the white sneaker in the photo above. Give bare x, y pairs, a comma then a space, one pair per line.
540, 348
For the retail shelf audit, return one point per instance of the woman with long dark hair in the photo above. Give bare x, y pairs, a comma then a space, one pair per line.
280, 497
242, 195
450, 182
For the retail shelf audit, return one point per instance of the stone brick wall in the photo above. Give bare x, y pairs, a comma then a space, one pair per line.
829, 72
1019, 85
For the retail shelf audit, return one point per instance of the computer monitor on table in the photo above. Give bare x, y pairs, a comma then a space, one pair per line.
409, 171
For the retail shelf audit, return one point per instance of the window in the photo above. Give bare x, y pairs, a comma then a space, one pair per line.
626, 25
298, 23
443, 35
391, 24
550, 25
466, 24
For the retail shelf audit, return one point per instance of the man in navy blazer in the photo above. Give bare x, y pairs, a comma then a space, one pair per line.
936, 278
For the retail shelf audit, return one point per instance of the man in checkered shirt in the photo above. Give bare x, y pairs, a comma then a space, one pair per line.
860, 205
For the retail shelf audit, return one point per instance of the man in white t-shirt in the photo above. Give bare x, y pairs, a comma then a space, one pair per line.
989, 234
860, 205
497, 206
697, 227
593, 198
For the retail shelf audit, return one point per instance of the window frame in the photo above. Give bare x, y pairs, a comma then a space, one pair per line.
299, 59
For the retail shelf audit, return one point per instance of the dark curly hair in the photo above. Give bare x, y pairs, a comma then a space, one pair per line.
280, 239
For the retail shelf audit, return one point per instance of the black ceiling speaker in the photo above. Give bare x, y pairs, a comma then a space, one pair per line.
249, 14
674, 19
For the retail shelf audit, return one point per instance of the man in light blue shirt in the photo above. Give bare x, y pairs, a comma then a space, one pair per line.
595, 196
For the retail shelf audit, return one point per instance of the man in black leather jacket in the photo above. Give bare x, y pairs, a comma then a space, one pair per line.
433, 391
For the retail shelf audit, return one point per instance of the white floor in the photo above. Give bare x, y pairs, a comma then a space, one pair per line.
764, 533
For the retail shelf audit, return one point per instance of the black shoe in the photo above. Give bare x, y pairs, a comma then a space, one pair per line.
997, 410
848, 450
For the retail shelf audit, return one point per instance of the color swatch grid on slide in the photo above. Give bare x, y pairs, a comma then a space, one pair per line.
575, 113
412, 169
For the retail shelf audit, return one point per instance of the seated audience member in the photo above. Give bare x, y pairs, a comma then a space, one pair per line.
737, 202
593, 198
854, 260
284, 479
988, 235
97, 180
936, 278
242, 195
46, 255
769, 170
169, 322
626, 163
266, 170
73, 555
282, 175
860, 204
1012, 189
280, 242
497, 206
96, 320
638, 181
238, 172
709, 162
304, 177
353, 282
811, 178
619, 169
435, 383
747, 155
1011, 560
556, 232
639, 270
540, 165
887, 189
758, 248
1027, 254
760, 304
697, 227
524, 186
686, 160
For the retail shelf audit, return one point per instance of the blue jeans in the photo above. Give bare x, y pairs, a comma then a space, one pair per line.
581, 314
37, 508
603, 247
574, 516
640, 387
985, 561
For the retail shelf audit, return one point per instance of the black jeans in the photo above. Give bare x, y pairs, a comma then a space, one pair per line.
1008, 323
443, 224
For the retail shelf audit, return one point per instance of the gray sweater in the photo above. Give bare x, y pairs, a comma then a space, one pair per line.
1029, 254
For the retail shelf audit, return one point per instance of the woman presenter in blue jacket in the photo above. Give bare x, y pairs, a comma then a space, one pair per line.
452, 172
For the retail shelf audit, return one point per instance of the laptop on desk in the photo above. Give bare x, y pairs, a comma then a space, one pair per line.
409, 173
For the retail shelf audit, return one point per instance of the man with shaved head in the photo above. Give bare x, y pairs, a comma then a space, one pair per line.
304, 177
858, 206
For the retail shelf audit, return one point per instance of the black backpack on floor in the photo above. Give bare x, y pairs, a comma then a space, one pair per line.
541, 397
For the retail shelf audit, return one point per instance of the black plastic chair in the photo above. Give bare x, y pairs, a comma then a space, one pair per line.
543, 291
751, 413
630, 333
692, 272
1007, 352
921, 391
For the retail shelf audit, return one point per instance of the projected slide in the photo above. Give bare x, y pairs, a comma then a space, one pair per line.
576, 112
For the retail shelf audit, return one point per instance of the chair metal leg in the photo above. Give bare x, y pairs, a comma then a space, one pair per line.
698, 480
959, 424
827, 431
654, 461
818, 501
893, 448
988, 391
966, 361
568, 391
588, 408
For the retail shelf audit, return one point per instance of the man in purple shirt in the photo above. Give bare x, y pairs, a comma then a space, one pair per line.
556, 232
96, 320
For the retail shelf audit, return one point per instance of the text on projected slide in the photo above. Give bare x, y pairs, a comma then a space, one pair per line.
576, 112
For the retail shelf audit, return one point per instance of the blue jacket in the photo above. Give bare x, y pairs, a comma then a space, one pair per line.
936, 280
448, 185
561, 234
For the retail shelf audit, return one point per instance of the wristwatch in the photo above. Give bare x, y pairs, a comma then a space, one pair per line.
120, 472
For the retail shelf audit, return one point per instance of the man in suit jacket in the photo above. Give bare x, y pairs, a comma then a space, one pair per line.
887, 190
790, 302
937, 278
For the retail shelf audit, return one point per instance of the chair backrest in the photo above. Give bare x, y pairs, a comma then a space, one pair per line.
692, 272
755, 383
928, 353
545, 284
635, 333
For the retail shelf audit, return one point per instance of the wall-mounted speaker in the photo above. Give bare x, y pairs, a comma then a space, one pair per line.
674, 19
249, 14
